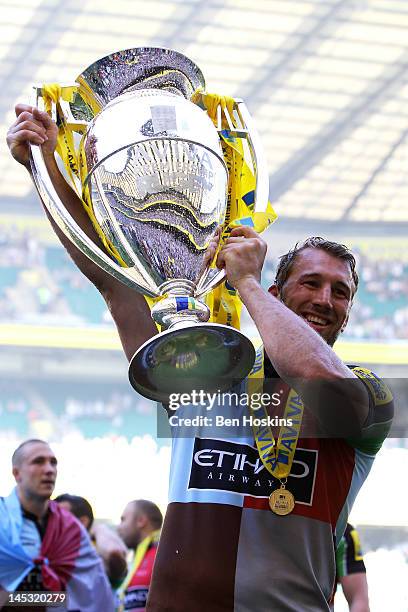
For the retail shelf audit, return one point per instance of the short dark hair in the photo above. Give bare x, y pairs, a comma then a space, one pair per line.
152, 512
315, 242
18, 454
79, 506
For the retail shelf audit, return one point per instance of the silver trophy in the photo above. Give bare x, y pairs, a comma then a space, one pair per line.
157, 183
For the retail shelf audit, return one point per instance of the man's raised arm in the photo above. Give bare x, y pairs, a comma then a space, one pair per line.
300, 356
128, 308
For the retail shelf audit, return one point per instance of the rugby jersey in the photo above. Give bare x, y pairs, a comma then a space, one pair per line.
134, 597
223, 550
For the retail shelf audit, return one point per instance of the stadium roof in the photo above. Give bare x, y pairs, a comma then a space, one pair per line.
326, 81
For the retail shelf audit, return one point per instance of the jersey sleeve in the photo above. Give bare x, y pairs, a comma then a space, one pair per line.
380, 413
349, 558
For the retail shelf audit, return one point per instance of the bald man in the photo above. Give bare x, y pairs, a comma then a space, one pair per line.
139, 528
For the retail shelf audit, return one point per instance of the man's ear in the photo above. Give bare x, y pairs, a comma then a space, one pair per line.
141, 521
273, 290
16, 473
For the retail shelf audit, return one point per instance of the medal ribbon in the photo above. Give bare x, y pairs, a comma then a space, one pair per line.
277, 458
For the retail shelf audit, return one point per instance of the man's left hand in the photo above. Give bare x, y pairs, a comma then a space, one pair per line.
242, 256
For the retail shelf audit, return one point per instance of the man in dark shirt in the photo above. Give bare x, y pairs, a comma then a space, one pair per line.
35, 470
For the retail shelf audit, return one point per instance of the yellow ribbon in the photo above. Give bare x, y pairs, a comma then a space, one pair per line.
223, 301
277, 457
65, 141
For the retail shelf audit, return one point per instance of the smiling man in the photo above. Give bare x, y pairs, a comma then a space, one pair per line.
252, 522
43, 548
317, 280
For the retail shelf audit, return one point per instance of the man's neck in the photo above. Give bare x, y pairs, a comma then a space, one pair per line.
35, 505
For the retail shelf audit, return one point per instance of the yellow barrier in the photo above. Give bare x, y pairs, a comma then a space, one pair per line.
107, 340
392, 353
60, 337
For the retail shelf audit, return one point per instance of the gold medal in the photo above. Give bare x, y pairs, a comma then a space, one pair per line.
281, 501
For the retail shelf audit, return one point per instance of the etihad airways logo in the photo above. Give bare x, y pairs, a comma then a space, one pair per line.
234, 467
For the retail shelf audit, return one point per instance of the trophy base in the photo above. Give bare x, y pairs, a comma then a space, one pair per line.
202, 357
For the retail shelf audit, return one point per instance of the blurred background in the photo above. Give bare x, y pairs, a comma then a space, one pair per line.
326, 82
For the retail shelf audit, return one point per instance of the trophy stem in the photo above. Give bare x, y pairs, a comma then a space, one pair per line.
177, 286
178, 308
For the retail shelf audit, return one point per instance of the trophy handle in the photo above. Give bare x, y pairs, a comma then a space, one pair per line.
52, 202
246, 129
209, 281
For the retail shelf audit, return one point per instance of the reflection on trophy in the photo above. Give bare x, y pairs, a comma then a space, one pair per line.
156, 181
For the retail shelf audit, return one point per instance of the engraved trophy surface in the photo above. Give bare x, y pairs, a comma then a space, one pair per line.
157, 184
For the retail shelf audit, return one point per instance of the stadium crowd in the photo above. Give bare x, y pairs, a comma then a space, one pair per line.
92, 411
40, 285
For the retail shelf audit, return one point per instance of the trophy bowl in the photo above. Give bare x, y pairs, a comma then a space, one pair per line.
156, 181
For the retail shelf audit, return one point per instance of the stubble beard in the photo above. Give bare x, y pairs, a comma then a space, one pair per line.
330, 341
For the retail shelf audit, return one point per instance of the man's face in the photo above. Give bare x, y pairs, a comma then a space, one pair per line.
129, 528
37, 472
320, 289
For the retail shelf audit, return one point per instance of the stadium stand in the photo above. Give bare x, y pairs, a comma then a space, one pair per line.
95, 410
39, 284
